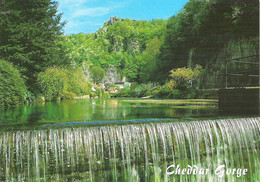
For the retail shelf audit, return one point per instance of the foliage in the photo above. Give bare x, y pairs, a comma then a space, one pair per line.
12, 87
204, 32
198, 33
53, 83
105, 95
143, 90
131, 46
126, 92
92, 95
136, 90
30, 37
77, 82
182, 78
58, 83
97, 74
68, 95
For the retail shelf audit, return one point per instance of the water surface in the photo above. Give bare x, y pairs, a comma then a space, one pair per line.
96, 110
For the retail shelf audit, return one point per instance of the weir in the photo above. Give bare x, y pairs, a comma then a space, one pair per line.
140, 152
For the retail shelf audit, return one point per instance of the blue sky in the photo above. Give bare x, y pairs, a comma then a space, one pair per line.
87, 16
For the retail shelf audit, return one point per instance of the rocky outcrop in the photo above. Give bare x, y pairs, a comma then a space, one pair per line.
113, 20
133, 46
112, 75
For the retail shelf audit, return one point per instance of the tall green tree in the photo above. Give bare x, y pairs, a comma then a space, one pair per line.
29, 36
97, 74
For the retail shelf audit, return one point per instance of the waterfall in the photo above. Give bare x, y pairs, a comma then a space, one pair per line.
139, 152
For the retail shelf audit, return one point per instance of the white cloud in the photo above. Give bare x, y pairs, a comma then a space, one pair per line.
73, 3
91, 12
83, 14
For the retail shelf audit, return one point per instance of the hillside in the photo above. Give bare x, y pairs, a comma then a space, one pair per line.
129, 45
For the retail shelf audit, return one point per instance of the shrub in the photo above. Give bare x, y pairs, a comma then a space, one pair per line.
175, 94
148, 93
182, 78
99, 91
164, 92
92, 95
12, 87
155, 92
143, 90
105, 95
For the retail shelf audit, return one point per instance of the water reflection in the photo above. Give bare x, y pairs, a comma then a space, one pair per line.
93, 110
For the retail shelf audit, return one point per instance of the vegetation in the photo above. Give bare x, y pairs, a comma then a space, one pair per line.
97, 74
12, 87
183, 78
59, 83
30, 33
201, 32
160, 58
131, 46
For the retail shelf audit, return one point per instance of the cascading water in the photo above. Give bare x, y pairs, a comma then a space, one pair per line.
140, 152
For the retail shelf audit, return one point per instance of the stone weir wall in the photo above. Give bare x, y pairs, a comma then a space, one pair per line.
239, 101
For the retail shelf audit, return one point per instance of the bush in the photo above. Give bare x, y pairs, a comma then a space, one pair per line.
125, 92
12, 87
182, 78
92, 95
155, 92
175, 94
163, 92
105, 95
143, 90
148, 93
99, 91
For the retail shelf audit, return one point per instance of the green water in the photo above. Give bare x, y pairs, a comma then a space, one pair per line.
95, 110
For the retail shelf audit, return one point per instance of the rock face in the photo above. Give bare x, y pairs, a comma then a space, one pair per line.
113, 20
117, 42
112, 76
133, 46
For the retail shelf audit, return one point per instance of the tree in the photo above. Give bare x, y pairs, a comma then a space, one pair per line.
53, 83
12, 87
97, 74
149, 67
29, 36
63, 83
